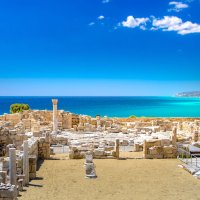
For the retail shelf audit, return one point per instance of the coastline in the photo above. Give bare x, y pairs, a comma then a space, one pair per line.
112, 106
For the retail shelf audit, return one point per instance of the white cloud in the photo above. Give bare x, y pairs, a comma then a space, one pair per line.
91, 24
101, 17
105, 1
172, 23
132, 22
177, 6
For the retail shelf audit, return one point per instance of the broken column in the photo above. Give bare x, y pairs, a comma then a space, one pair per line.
136, 147
3, 177
174, 136
180, 126
55, 112
26, 162
12, 166
195, 136
145, 150
89, 166
117, 148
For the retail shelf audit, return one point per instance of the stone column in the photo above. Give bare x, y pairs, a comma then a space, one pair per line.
174, 136
89, 166
26, 162
180, 126
191, 128
195, 136
55, 117
117, 148
145, 149
136, 147
12, 166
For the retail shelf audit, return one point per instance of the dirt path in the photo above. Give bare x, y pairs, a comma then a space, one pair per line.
117, 180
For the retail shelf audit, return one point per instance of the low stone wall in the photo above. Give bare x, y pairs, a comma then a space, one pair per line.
4, 164
100, 153
159, 149
43, 148
8, 192
59, 139
138, 147
32, 167
99, 150
32, 146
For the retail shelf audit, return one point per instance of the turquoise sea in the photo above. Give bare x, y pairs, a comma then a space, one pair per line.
113, 106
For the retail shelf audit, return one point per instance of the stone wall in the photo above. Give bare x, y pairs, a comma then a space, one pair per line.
59, 139
12, 118
32, 166
159, 149
43, 148
101, 150
8, 192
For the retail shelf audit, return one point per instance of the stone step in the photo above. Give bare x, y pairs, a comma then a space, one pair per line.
190, 168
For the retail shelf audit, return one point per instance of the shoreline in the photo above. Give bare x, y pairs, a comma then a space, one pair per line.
127, 118
113, 106
114, 117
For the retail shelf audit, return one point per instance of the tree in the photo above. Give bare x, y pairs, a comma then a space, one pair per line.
18, 108
132, 116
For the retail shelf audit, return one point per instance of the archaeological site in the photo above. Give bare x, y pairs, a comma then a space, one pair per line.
30, 138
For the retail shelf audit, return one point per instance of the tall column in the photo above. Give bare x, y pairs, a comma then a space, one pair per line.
12, 166
55, 113
174, 136
145, 150
117, 148
26, 162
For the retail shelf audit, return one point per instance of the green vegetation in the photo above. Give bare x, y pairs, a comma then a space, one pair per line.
132, 116
18, 108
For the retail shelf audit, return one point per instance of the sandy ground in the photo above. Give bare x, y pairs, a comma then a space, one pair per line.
117, 180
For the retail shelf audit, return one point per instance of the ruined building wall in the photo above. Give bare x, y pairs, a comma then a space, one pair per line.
159, 149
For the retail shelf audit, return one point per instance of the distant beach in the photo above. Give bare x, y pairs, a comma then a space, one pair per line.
113, 106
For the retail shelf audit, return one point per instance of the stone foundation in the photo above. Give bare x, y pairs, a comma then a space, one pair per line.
8, 192
43, 148
159, 149
32, 167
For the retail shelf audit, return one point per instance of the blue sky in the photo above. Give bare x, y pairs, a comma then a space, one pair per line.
99, 47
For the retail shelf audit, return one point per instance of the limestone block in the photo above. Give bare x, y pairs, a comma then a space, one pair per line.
109, 148
151, 143
125, 143
136, 147
165, 142
167, 150
156, 150
111, 143
3, 176
98, 152
8, 191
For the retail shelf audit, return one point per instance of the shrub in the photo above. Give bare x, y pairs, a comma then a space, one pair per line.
18, 108
132, 116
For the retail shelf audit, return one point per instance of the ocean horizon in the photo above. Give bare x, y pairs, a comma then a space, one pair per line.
111, 106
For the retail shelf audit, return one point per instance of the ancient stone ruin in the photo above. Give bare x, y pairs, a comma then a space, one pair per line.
35, 135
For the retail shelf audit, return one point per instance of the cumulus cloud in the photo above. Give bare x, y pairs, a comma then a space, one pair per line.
172, 23
177, 6
101, 17
105, 1
91, 24
132, 22
167, 23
